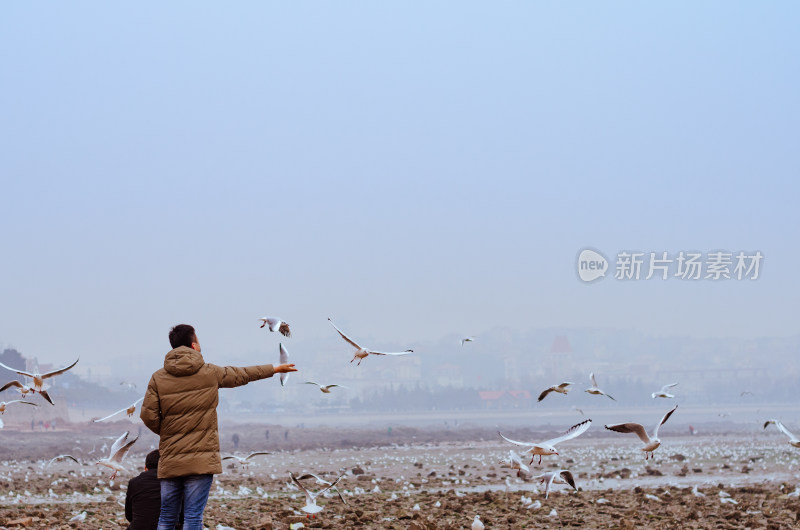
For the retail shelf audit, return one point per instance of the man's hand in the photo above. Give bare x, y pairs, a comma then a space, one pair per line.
284, 368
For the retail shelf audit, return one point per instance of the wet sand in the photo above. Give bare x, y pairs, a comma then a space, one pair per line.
449, 475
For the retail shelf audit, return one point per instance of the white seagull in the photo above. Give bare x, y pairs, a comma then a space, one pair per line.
595, 390
38, 378
562, 388
276, 324
363, 353
326, 388
130, 409
62, 457
311, 507
515, 462
118, 451
548, 447
559, 476
284, 359
243, 459
4, 404
477, 524
793, 441
663, 392
650, 444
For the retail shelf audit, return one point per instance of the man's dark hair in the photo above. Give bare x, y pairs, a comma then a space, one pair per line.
182, 335
151, 460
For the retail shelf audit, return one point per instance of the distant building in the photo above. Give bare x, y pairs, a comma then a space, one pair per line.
505, 399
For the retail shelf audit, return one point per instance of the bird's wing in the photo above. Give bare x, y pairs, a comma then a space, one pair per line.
544, 394
312, 475
525, 444
332, 484
663, 421
373, 352
63, 457
118, 443
567, 475
10, 384
61, 371
284, 330
573, 432
21, 401
110, 415
230, 457
594, 381
20, 372
665, 387
122, 451
313, 383
609, 396
284, 359
635, 428
45, 395
550, 477
309, 497
784, 430
345, 337
137, 402
564, 385
251, 455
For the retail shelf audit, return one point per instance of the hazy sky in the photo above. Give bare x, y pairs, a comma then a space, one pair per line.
411, 170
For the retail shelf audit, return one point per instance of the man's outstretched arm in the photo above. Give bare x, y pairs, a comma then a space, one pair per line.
231, 376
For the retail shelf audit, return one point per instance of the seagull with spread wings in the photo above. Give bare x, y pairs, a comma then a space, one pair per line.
4, 404
650, 444
118, 451
62, 457
562, 388
595, 390
130, 409
311, 507
276, 324
548, 447
38, 378
363, 353
244, 459
559, 476
325, 388
24, 390
663, 392
793, 441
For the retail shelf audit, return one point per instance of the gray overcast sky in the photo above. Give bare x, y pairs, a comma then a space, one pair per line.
411, 170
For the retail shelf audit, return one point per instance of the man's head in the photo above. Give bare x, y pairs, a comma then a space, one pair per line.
151, 460
183, 335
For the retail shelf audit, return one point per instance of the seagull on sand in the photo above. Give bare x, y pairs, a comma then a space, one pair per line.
793, 441
284, 359
326, 388
562, 388
559, 476
118, 451
38, 378
650, 444
311, 507
25, 390
548, 447
276, 324
363, 353
663, 392
477, 524
468, 339
243, 459
596, 391
4, 404
130, 409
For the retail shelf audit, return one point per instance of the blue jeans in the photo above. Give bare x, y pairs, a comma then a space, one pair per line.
190, 491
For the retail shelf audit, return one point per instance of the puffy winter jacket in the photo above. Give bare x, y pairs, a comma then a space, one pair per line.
181, 407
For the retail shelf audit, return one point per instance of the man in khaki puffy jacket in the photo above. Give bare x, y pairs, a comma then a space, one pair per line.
181, 407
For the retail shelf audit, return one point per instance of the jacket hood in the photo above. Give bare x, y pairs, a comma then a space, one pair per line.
183, 361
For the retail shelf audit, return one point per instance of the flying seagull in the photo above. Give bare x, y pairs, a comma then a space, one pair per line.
793, 441
118, 451
548, 447
515, 462
25, 390
663, 392
363, 353
63, 457
650, 444
130, 409
4, 404
284, 359
559, 476
596, 391
562, 388
311, 507
276, 324
468, 339
38, 378
243, 459
326, 388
